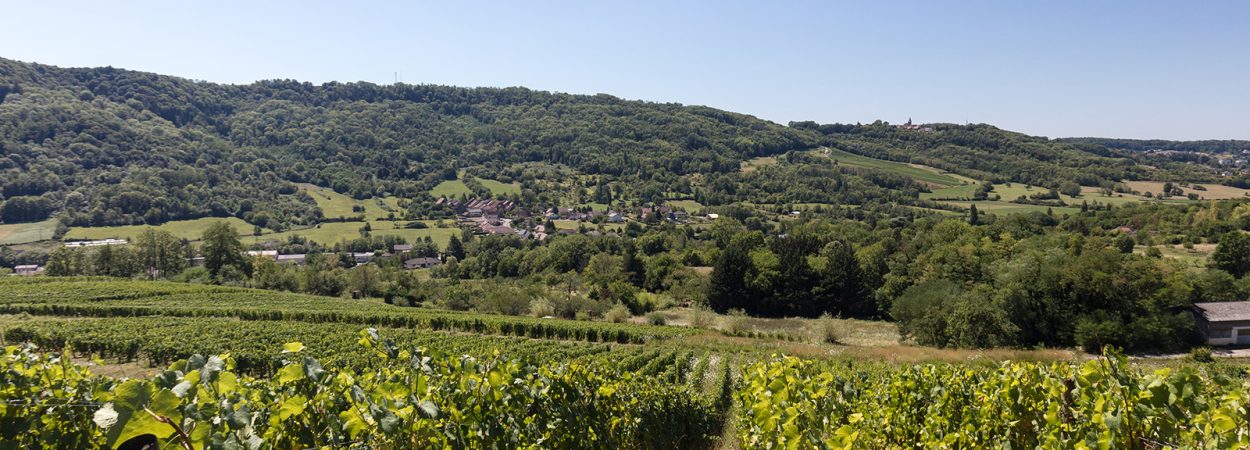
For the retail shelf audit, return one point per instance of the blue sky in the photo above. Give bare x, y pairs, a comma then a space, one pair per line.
1143, 69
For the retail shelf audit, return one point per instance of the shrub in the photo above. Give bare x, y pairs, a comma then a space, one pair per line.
657, 318
736, 322
702, 317
617, 314
1092, 335
541, 307
1201, 355
830, 330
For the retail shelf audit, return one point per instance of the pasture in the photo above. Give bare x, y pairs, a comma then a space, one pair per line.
25, 233
1212, 192
190, 230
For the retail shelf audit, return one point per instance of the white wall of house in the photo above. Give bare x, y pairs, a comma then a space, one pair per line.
1238, 335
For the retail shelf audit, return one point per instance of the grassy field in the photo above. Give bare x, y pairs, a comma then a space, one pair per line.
750, 165
942, 212
332, 233
336, 205
1195, 257
689, 205
1212, 192
455, 188
450, 188
924, 174
375, 210
332, 204
185, 229
595, 206
1014, 208
23, 233
958, 191
500, 188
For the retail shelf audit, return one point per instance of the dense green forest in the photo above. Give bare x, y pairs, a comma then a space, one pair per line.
111, 146
105, 146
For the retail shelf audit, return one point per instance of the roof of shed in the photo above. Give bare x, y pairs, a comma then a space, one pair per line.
1224, 311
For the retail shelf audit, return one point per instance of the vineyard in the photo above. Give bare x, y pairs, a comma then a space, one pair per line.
255, 369
1104, 403
87, 297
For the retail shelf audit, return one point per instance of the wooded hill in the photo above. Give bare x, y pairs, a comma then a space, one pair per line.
105, 146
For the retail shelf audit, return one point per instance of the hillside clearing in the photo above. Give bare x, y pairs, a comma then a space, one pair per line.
184, 229
928, 175
1212, 192
25, 233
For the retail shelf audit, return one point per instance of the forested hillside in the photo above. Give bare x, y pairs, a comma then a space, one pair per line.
116, 147
105, 146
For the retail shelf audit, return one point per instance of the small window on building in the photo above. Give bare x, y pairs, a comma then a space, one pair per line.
1220, 333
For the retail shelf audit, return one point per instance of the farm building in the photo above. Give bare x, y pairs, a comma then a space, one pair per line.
1224, 323
421, 263
29, 269
77, 244
297, 259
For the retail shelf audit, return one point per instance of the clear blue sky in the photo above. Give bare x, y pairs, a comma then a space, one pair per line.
1141, 69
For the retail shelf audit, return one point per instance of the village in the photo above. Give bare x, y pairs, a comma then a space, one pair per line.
477, 216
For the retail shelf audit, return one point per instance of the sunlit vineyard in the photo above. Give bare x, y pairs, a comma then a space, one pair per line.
86, 297
1105, 403
239, 368
404, 398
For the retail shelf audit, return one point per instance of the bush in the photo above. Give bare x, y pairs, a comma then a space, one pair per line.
541, 307
702, 317
736, 322
1092, 335
1201, 355
657, 318
197, 275
617, 314
830, 330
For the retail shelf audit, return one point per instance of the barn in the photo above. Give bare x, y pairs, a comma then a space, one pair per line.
1224, 323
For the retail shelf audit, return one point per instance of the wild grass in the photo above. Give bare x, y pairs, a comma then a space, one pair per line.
23, 233
184, 229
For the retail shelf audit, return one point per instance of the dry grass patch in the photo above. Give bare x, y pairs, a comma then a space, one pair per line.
1212, 192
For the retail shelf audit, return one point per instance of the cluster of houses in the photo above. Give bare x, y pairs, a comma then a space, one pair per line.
480, 207
664, 213
572, 214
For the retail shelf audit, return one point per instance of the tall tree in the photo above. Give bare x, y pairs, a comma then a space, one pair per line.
1232, 255
222, 248
455, 248
161, 253
840, 287
727, 288
632, 265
